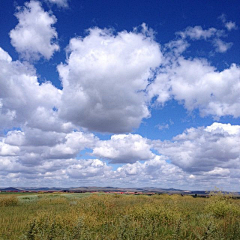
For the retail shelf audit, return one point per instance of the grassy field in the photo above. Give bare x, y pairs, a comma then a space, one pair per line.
113, 216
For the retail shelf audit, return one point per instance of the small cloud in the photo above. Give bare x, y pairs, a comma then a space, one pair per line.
228, 24
171, 122
231, 26
221, 46
222, 18
165, 126
217, 171
161, 127
212, 34
59, 3
197, 33
34, 38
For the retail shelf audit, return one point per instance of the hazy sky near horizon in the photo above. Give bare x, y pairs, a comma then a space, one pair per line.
120, 93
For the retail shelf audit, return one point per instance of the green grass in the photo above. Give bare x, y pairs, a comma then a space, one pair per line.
114, 216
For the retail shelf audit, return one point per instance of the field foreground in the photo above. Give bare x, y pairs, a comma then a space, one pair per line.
114, 216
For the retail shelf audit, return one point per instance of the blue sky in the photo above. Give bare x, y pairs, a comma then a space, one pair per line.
120, 93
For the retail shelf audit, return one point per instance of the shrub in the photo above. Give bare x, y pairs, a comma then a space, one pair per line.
221, 205
8, 201
48, 226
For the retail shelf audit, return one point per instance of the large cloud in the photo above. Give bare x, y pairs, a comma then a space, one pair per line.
198, 85
108, 85
69, 172
25, 102
105, 77
159, 172
73, 143
124, 149
203, 156
213, 150
85, 169
34, 35
155, 169
201, 86
194, 82
47, 156
34, 146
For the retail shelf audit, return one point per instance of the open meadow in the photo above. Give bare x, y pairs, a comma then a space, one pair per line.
117, 216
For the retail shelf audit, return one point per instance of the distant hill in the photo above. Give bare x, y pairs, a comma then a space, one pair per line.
11, 189
145, 190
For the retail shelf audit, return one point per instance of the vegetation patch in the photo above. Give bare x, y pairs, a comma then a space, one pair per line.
115, 216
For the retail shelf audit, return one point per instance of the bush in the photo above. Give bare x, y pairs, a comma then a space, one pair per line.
51, 226
221, 205
8, 201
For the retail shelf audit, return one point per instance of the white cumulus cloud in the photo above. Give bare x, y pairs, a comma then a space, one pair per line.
213, 150
153, 172
198, 85
124, 148
92, 168
25, 102
105, 77
34, 35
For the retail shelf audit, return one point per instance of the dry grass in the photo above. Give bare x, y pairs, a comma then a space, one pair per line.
120, 217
